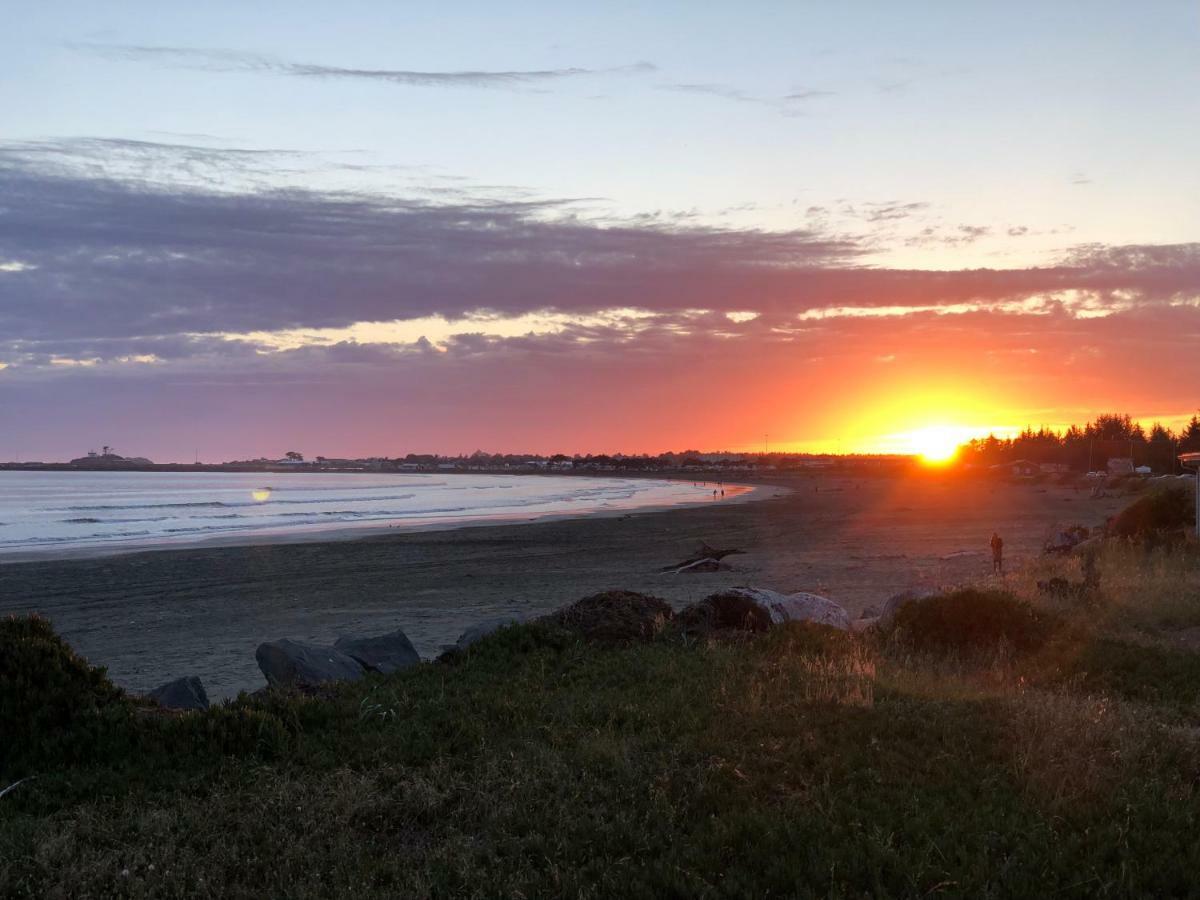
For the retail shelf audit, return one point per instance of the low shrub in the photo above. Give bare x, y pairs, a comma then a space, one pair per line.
1164, 676
50, 697
728, 611
1156, 514
972, 619
614, 617
57, 711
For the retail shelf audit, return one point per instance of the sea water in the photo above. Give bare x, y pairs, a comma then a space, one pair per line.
69, 512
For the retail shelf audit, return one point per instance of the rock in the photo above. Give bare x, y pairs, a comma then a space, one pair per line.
702, 565
893, 603
288, 663
384, 653
182, 693
871, 612
798, 607
1066, 539
483, 629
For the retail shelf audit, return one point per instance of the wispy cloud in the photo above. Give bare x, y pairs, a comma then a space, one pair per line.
791, 104
103, 258
222, 60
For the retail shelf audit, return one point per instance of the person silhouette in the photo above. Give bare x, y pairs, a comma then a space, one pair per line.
997, 543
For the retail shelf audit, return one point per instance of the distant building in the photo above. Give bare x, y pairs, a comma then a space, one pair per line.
107, 458
1020, 468
1054, 468
1120, 465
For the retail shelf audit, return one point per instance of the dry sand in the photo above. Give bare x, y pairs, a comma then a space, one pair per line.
153, 616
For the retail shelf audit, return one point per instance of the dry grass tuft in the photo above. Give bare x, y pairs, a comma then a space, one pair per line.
1071, 748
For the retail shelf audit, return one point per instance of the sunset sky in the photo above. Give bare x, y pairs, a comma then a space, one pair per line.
375, 228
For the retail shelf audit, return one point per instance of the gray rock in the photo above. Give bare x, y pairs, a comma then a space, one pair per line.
798, 607
483, 629
384, 653
893, 603
871, 612
293, 664
182, 693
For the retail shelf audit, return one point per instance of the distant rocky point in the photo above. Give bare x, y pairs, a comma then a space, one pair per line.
107, 458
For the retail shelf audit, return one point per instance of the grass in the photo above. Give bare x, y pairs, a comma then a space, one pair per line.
796, 762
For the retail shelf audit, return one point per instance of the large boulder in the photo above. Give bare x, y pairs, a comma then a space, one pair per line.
892, 605
288, 663
182, 693
480, 630
384, 653
798, 607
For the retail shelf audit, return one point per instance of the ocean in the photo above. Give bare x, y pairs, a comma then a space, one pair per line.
97, 512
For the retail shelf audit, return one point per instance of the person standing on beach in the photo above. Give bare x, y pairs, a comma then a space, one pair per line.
997, 553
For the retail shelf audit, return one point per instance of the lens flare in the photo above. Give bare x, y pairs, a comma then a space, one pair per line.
936, 444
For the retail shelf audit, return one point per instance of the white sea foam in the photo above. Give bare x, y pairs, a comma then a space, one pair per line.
115, 511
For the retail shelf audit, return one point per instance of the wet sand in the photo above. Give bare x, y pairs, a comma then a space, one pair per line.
153, 616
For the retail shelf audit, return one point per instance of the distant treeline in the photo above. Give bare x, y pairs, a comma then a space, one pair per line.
1109, 436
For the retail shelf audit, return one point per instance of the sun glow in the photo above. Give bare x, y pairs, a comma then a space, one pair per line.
936, 444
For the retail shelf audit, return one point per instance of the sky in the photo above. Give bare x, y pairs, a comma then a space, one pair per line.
228, 230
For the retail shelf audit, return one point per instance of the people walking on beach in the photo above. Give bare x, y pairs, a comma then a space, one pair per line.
997, 553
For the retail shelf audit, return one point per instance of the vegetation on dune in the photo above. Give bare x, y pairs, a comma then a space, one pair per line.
58, 713
723, 612
1159, 514
614, 617
52, 699
997, 743
969, 620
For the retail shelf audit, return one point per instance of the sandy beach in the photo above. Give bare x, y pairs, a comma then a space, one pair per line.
152, 616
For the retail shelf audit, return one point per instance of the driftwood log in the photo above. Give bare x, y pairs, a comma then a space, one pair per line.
704, 554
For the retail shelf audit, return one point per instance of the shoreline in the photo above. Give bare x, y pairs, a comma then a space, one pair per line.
153, 616
742, 493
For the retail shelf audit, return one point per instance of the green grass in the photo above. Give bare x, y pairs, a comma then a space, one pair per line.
799, 762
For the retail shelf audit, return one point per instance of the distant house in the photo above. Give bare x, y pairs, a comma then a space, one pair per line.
1120, 465
1054, 468
1020, 468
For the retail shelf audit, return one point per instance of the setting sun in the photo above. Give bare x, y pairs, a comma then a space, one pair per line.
936, 444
